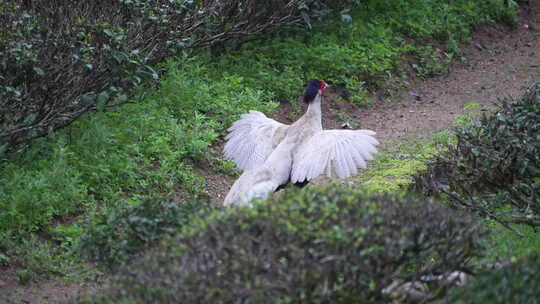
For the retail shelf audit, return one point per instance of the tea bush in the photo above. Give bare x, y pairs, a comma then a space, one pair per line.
117, 234
60, 59
494, 168
514, 283
317, 246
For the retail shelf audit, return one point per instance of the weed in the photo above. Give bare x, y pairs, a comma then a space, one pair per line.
431, 62
67, 236
224, 166
347, 120
470, 106
465, 119
505, 244
38, 260
392, 171
443, 138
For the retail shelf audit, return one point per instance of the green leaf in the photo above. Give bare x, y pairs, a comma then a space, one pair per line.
3, 149
4, 258
39, 71
346, 18
88, 98
102, 100
108, 32
307, 20
122, 98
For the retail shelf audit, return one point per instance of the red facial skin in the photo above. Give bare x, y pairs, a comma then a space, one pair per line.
322, 86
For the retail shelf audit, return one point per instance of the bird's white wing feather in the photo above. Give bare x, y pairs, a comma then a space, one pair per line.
252, 138
329, 151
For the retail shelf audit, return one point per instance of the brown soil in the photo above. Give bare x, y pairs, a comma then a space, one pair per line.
500, 62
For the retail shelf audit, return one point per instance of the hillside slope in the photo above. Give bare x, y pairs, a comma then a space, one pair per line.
499, 61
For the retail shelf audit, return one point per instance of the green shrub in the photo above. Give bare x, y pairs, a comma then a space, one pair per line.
365, 52
61, 59
317, 246
514, 283
494, 168
53, 72
116, 235
424, 19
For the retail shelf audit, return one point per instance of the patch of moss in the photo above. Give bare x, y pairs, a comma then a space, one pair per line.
392, 171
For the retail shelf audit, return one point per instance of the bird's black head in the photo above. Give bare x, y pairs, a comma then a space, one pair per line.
312, 89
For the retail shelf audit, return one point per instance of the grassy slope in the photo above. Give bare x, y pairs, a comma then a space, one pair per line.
145, 149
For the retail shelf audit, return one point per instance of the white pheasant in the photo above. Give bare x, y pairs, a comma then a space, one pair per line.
272, 153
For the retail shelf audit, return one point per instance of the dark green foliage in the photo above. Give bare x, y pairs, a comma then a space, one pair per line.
516, 283
116, 235
35, 260
415, 18
318, 246
365, 53
60, 59
494, 168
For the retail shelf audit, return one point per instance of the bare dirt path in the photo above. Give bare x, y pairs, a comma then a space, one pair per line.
500, 62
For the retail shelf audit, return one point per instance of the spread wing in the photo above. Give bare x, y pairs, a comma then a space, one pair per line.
252, 138
328, 151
